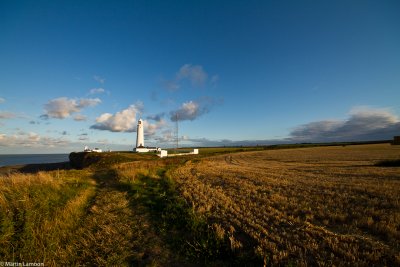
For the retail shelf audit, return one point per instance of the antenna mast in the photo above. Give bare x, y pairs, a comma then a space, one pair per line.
177, 130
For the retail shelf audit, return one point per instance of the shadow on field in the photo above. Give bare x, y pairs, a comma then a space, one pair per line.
146, 207
166, 229
34, 168
104, 238
388, 163
175, 223
173, 234
145, 247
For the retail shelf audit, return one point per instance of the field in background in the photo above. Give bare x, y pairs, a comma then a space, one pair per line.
327, 205
314, 205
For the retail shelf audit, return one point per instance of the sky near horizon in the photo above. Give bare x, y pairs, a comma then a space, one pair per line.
76, 73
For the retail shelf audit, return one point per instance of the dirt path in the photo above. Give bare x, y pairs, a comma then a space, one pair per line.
118, 231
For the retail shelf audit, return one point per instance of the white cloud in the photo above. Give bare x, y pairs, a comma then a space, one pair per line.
83, 138
7, 115
171, 85
99, 79
126, 121
364, 124
88, 102
80, 117
94, 91
368, 113
156, 117
31, 139
195, 74
151, 128
2, 100
316, 129
103, 141
63, 107
167, 136
122, 121
188, 111
191, 110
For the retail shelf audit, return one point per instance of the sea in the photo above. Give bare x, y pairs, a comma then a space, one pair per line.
20, 159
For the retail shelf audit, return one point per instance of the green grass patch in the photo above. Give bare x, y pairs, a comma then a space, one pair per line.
183, 229
95, 160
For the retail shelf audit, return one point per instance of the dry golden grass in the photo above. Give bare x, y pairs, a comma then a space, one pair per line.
117, 230
308, 206
39, 212
312, 206
80, 218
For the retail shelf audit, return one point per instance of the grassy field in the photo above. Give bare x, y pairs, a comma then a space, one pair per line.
39, 213
309, 206
327, 206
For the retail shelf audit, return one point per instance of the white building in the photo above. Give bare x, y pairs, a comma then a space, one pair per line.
140, 135
87, 149
140, 148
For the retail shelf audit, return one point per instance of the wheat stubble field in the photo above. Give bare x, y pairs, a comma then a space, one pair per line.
326, 206
308, 206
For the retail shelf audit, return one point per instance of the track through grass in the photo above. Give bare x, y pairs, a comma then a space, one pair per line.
305, 206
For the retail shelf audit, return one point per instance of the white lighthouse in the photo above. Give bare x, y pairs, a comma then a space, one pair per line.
140, 140
140, 135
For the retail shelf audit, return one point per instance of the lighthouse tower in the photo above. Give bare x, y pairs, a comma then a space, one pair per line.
140, 148
140, 135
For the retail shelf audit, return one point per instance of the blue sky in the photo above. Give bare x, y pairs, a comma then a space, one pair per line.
75, 73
